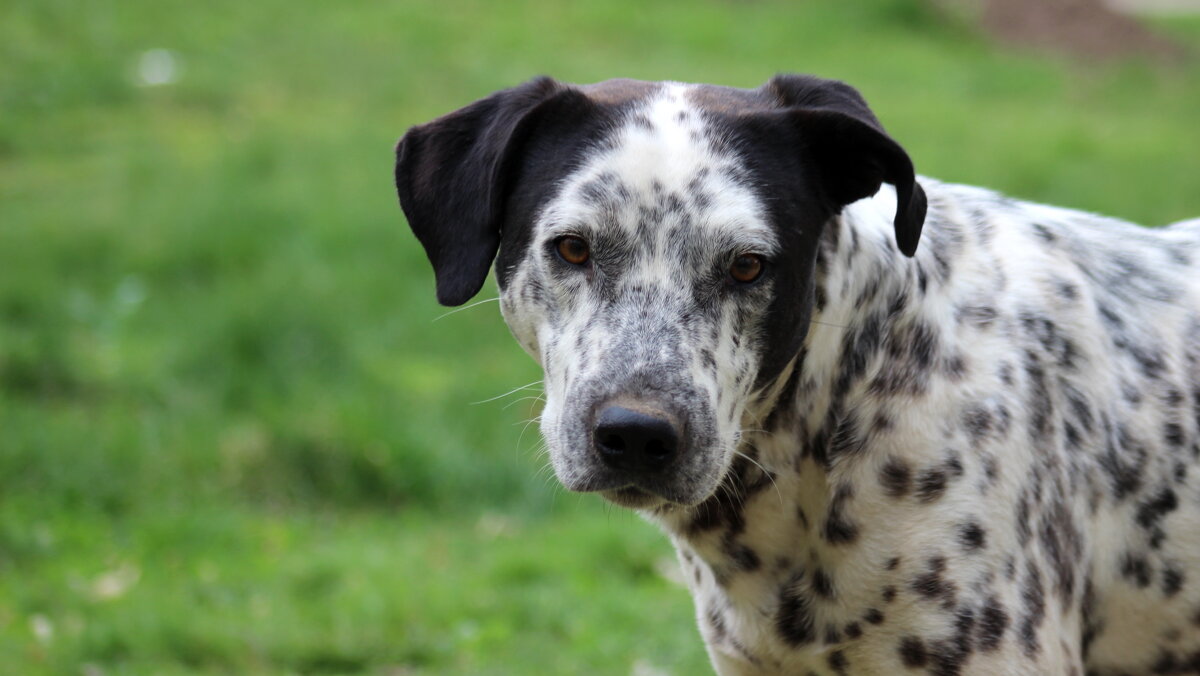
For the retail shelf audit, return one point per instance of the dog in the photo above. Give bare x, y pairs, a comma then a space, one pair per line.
973, 456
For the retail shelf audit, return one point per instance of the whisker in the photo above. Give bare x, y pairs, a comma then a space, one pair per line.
465, 307
765, 473
517, 401
512, 391
529, 422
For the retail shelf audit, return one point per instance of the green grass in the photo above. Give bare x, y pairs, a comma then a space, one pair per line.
221, 590
232, 436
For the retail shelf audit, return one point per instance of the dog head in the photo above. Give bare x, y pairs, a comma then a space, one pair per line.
655, 246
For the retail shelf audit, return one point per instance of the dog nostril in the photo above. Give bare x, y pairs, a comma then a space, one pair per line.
655, 448
613, 442
634, 440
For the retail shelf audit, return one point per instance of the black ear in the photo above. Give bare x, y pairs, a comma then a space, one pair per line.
453, 174
854, 155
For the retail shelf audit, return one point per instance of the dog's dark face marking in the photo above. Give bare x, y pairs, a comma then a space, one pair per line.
668, 188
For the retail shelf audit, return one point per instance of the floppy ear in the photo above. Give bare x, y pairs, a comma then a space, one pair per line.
453, 174
853, 153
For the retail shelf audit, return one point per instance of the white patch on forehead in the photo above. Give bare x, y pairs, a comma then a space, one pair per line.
671, 150
664, 146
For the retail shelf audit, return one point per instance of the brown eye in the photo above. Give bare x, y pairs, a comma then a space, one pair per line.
746, 268
573, 250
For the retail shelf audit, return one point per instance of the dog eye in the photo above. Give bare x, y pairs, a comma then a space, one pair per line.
746, 268
573, 249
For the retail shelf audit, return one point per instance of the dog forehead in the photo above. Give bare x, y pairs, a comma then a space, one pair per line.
666, 156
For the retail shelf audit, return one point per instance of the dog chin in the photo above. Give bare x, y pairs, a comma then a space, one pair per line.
638, 497
633, 497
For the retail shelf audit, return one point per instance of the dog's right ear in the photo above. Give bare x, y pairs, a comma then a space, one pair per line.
453, 175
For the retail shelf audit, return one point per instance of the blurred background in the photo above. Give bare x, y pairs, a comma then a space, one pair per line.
237, 435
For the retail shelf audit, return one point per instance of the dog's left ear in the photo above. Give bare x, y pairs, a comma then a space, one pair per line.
453, 175
854, 154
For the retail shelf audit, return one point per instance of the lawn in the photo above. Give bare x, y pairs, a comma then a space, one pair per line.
237, 434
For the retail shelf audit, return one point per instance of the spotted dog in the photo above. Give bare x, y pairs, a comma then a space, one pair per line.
978, 456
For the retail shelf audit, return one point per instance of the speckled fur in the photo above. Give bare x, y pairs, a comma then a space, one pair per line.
979, 460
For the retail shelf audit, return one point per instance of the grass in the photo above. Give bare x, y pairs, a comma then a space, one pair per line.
218, 590
233, 439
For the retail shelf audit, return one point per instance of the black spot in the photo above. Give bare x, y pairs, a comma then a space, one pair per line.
857, 349
1044, 233
931, 484
1063, 545
1172, 582
1136, 569
955, 367
993, 621
1078, 404
873, 616
912, 652
964, 626
846, 439
1035, 608
822, 585
793, 619
1041, 406
838, 662
881, 423
946, 658
1170, 663
838, 529
896, 477
722, 510
853, 630
977, 420
743, 558
1066, 290
1159, 505
972, 536
932, 585
1024, 531
953, 465
888, 594
991, 469
1173, 434
1122, 460
892, 563
1006, 374
1074, 440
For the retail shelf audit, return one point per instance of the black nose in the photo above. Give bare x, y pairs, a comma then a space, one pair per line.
635, 441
